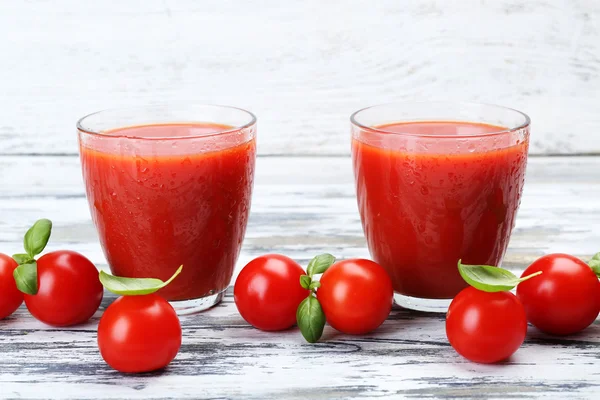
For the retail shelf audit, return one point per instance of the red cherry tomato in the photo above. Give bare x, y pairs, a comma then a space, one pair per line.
69, 290
267, 292
10, 297
356, 296
564, 299
139, 333
486, 327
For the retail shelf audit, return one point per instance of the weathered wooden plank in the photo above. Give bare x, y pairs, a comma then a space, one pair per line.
302, 67
302, 206
222, 357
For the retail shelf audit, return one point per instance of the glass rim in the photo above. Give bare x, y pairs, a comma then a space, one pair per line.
97, 133
526, 120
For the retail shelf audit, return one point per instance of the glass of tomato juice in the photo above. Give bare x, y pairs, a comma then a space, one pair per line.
170, 185
437, 182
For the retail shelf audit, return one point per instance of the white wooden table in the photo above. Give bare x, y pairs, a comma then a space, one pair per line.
302, 206
302, 67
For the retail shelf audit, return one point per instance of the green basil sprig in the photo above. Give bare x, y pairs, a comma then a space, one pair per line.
310, 316
134, 286
491, 279
311, 319
37, 237
26, 277
35, 242
595, 264
319, 264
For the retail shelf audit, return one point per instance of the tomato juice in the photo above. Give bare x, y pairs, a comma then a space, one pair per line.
165, 195
433, 192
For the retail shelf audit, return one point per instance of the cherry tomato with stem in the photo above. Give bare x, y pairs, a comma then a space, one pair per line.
486, 327
10, 297
139, 333
356, 296
564, 299
267, 292
69, 290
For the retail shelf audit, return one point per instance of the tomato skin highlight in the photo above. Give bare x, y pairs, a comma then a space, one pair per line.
486, 327
139, 334
267, 292
356, 296
10, 297
564, 299
69, 290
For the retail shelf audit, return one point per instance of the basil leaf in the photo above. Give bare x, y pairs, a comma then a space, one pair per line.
314, 285
311, 319
37, 237
490, 279
26, 278
305, 281
595, 264
319, 264
22, 258
134, 286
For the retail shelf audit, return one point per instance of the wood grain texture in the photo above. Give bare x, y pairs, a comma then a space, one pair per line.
302, 67
302, 206
222, 357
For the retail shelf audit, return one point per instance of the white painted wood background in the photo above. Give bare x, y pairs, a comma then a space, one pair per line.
301, 66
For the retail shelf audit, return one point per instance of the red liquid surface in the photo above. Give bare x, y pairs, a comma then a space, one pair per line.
424, 209
161, 205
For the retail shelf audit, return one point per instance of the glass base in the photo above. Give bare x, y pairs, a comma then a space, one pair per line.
419, 304
186, 307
